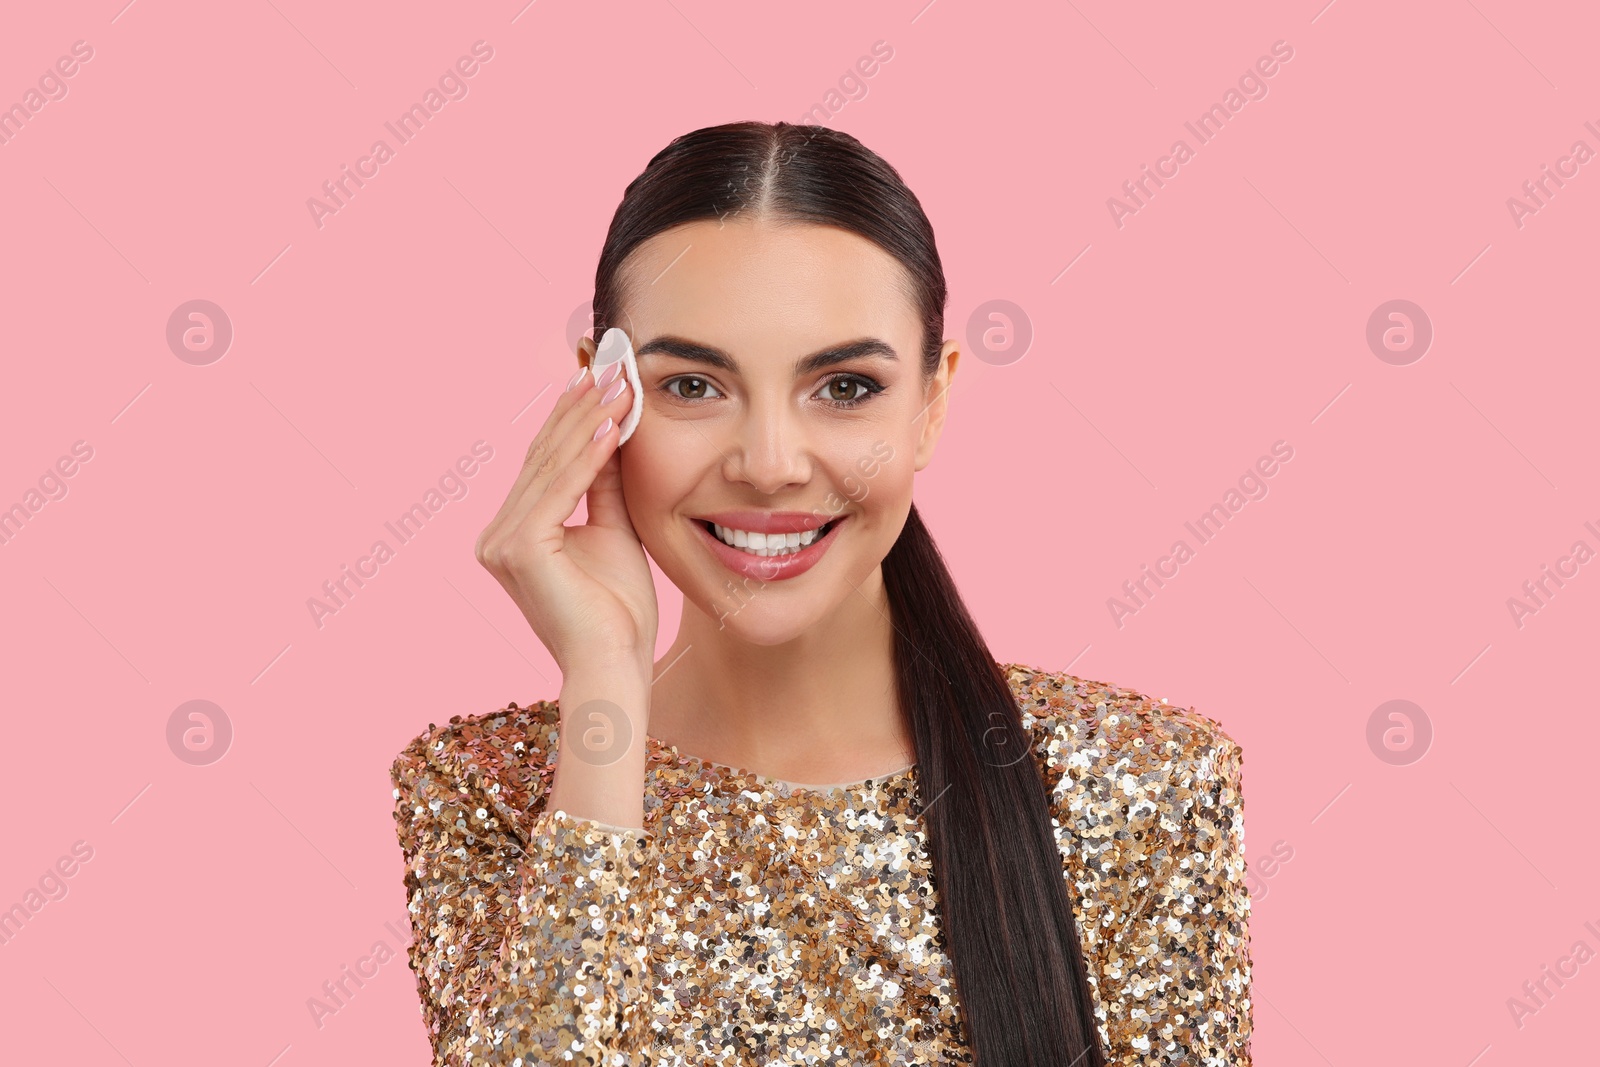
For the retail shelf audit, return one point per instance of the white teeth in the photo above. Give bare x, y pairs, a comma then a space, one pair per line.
762, 544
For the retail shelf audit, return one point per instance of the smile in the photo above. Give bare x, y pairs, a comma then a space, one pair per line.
769, 556
775, 544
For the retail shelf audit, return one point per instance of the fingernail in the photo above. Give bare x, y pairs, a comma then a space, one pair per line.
605, 427
576, 378
615, 391
611, 371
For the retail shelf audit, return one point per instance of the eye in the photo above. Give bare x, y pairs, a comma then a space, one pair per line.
698, 387
840, 390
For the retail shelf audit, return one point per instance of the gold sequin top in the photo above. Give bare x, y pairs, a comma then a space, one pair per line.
753, 921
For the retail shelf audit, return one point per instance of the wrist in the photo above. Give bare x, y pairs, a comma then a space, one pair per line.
605, 706
608, 669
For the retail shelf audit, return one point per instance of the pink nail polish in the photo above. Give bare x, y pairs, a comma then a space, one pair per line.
603, 429
615, 391
576, 378
606, 376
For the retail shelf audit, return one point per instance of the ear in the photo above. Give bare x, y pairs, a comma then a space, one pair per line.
586, 351
938, 402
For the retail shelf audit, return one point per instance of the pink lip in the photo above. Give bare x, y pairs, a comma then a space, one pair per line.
768, 521
769, 568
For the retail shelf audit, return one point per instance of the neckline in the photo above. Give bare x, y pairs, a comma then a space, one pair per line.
697, 765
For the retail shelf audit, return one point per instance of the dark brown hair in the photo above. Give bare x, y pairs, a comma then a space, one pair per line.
1005, 917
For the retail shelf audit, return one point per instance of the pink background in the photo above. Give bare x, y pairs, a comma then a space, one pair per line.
1228, 313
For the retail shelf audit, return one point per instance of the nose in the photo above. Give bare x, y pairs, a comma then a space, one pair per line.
767, 448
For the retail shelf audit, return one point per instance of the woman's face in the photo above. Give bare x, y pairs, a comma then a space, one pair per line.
783, 390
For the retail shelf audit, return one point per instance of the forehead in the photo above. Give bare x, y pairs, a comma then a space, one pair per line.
758, 287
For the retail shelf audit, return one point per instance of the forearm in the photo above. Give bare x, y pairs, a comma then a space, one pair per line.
605, 715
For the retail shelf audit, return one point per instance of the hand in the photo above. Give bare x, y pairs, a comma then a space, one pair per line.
586, 590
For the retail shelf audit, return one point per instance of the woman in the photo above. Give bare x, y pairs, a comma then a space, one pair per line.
1011, 867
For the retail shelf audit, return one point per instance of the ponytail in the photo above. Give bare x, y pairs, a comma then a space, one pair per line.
1006, 920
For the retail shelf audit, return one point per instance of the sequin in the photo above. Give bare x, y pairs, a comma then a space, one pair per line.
752, 921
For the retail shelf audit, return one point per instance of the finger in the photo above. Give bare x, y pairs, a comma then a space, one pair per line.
578, 430
538, 513
541, 461
578, 468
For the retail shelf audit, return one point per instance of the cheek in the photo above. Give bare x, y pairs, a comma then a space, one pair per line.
647, 483
874, 472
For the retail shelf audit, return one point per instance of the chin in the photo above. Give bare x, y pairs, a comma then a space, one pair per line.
761, 620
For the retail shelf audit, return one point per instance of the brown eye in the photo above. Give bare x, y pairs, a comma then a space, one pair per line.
690, 387
843, 390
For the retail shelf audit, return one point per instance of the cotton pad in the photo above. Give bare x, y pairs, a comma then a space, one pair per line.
614, 346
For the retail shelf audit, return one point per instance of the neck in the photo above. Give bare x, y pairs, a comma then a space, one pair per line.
820, 707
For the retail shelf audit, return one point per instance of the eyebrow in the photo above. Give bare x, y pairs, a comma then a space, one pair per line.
716, 357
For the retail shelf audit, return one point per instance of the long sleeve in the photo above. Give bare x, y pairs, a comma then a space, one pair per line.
1150, 820
529, 925
1180, 988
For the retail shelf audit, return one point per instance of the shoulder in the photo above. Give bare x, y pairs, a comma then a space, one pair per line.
497, 759
1146, 797
1120, 745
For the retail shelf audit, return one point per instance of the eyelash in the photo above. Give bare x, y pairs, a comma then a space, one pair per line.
873, 387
